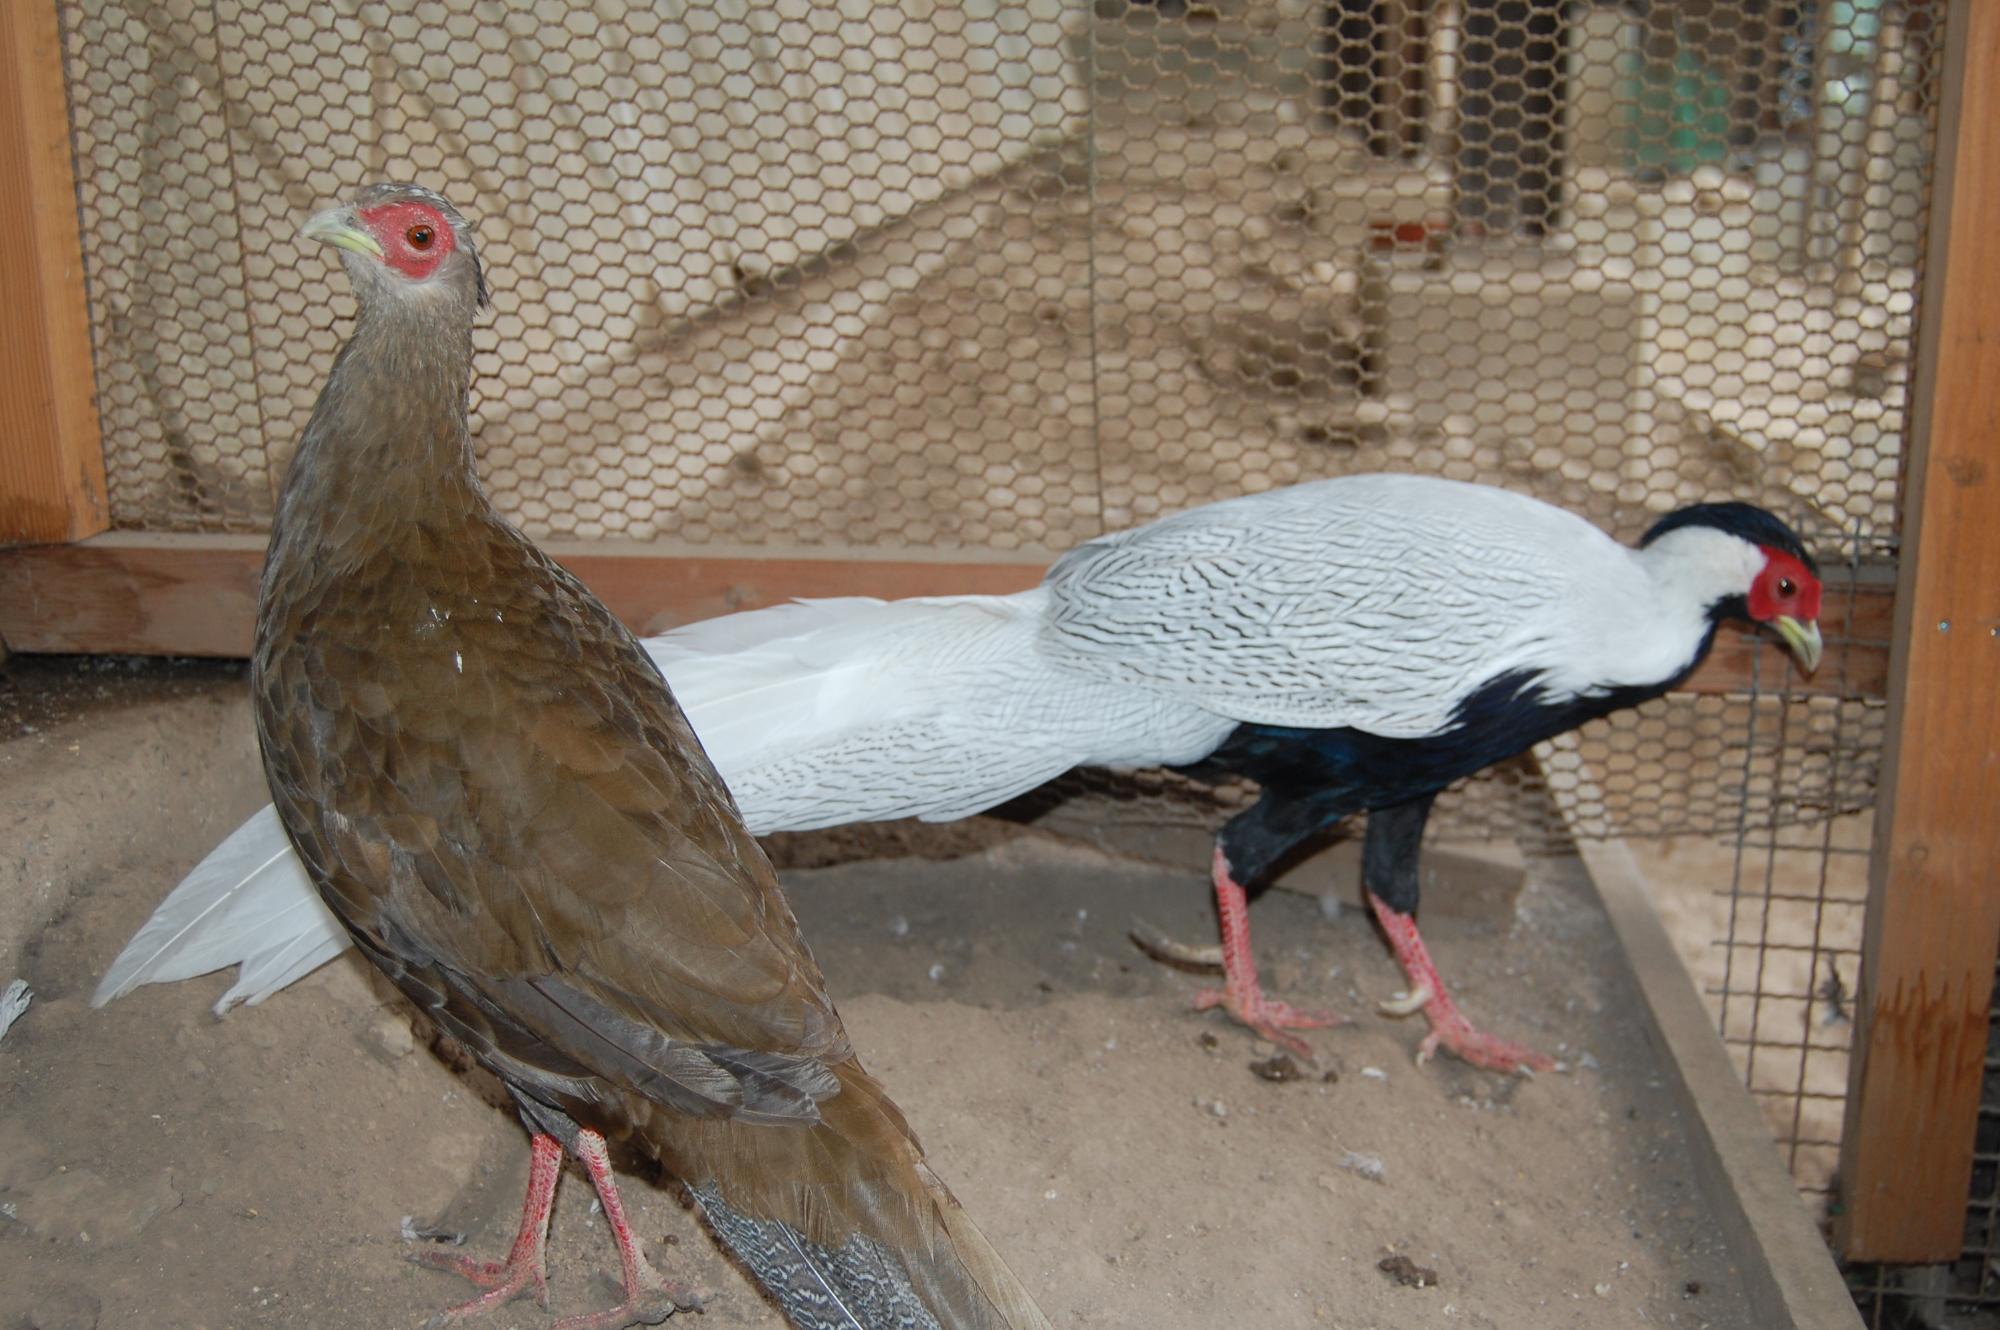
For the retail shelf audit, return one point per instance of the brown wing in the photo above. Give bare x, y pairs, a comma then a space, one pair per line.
500, 798
495, 791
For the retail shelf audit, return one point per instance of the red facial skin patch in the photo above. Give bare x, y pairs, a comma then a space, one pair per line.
415, 237
1785, 588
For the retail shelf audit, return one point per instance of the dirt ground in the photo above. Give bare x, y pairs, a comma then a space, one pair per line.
159, 1167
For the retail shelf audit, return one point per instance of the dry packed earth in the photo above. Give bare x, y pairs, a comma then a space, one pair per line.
160, 1167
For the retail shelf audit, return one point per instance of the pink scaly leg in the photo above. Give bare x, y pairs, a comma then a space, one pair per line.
1449, 1028
649, 1299
1241, 995
523, 1269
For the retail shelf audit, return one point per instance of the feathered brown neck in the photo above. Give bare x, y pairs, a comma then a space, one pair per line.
386, 452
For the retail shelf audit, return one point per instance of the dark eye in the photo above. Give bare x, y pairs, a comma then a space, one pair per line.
1787, 587
420, 236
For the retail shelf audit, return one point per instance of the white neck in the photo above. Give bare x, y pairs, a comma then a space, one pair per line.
1641, 623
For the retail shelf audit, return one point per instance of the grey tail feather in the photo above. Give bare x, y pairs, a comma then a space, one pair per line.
858, 1286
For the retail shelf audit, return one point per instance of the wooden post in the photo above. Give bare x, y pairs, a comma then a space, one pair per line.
1934, 888
51, 458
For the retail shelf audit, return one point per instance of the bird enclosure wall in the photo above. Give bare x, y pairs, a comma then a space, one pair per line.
978, 281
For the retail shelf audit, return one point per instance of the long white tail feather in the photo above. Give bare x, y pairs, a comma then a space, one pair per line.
815, 713
248, 903
753, 628
811, 674
311, 944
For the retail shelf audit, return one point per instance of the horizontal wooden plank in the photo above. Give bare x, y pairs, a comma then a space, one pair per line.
196, 596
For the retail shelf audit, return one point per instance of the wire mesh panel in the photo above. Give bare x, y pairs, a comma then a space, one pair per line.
1000, 275
1003, 274
760, 271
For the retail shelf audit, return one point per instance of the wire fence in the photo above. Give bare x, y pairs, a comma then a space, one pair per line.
1005, 274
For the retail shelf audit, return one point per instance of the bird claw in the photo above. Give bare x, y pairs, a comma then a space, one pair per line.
1171, 951
1268, 1019
649, 1306
501, 1282
1484, 1051
1408, 1004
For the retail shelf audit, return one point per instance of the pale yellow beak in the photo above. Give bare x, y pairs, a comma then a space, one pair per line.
1801, 638
337, 226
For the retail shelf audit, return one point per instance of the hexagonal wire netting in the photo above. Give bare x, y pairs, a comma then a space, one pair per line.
1005, 274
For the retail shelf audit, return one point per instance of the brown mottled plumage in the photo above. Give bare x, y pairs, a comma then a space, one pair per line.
493, 788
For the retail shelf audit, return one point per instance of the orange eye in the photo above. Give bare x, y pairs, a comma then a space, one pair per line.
420, 236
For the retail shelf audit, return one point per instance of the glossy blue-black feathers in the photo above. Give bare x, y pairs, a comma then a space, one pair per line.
1311, 779
1743, 520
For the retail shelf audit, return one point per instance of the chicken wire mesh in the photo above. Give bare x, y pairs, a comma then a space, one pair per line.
1004, 274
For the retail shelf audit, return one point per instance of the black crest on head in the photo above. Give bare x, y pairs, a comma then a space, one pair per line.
1744, 520
374, 196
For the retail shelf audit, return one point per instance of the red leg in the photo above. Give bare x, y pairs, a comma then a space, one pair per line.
523, 1269
1449, 1028
1241, 995
649, 1299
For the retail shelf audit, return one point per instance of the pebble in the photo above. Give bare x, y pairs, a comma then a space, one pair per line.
1367, 1165
390, 1036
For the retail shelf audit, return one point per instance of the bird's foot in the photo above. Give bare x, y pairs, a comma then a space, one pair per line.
1427, 993
1241, 995
1268, 1018
503, 1281
524, 1270
649, 1299
651, 1303
1457, 1037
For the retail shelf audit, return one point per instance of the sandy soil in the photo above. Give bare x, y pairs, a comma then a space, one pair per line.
161, 1168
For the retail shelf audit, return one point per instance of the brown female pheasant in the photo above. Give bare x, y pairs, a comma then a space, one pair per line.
492, 788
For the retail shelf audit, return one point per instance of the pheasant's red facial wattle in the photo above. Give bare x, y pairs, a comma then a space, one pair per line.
1786, 587
415, 237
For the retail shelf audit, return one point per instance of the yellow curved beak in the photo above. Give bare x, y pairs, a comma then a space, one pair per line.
336, 226
1801, 638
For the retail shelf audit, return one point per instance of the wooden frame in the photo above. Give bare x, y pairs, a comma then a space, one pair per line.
1933, 918
174, 595
52, 461
195, 596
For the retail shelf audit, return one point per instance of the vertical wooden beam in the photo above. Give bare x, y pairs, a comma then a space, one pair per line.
51, 457
1934, 889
